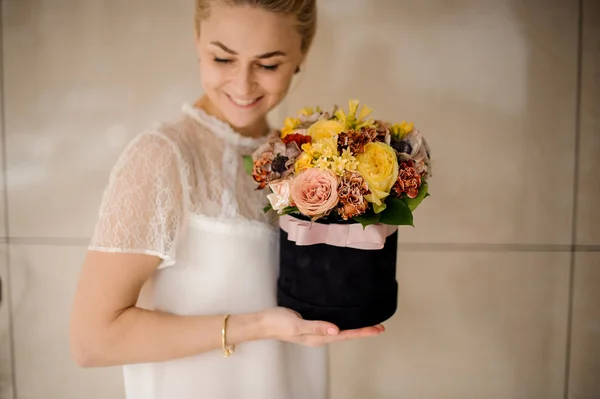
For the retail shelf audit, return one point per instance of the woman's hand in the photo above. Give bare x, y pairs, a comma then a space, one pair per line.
287, 325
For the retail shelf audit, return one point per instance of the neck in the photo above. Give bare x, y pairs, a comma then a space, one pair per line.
257, 129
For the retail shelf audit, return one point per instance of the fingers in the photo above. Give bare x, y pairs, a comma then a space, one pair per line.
358, 333
310, 327
379, 328
322, 328
325, 328
345, 335
365, 332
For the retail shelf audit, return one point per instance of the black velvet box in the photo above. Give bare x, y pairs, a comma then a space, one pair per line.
349, 287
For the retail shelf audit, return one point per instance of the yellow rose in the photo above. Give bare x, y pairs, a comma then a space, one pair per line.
324, 129
378, 165
304, 161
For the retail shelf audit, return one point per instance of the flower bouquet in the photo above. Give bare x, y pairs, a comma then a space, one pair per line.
341, 185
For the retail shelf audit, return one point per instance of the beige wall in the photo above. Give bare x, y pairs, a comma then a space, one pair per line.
484, 277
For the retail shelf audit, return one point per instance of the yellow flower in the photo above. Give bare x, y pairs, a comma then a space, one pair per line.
323, 129
304, 161
326, 147
322, 163
289, 125
343, 163
308, 111
324, 154
350, 162
337, 165
352, 121
378, 165
308, 149
402, 129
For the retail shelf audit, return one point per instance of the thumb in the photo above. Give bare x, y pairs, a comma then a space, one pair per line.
320, 328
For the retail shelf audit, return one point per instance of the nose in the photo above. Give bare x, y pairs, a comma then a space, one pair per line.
244, 81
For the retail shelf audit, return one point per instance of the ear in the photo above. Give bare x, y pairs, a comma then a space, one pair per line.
300, 63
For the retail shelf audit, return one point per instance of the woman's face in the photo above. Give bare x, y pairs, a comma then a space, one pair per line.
248, 57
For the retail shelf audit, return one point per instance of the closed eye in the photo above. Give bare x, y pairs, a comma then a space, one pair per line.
221, 60
228, 61
269, 67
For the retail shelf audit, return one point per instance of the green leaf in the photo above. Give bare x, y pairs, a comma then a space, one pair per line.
397, 213
413, 203
367, 219
267, 208
248, 164
289, 209
285, 211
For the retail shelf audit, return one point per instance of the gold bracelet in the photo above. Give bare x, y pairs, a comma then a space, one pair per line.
227, 349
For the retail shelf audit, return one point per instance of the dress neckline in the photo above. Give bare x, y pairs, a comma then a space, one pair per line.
222, 129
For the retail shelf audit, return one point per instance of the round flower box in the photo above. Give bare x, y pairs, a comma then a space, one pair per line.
345, 285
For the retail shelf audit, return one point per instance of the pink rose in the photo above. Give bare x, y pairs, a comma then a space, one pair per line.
314, 191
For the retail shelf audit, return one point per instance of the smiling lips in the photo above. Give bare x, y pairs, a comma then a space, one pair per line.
244, 103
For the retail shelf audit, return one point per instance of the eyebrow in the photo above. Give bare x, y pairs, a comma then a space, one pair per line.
261, 56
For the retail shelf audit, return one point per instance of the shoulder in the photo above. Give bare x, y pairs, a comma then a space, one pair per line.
186, 135
189, 137
154, 154
171, 139
148, 150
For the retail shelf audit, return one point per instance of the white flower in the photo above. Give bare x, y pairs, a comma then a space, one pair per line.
388, 138
280, 197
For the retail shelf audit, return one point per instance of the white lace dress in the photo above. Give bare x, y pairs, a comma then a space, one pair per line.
180, 192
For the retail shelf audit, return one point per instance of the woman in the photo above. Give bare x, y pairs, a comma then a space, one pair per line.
182, 266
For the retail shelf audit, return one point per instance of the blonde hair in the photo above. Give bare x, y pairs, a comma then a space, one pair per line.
305, 12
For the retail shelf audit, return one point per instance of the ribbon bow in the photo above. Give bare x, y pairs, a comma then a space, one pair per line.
304, 232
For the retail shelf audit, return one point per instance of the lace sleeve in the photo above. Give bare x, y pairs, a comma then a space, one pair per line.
142, 206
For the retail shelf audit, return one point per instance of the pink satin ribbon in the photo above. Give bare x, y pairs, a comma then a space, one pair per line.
339, 235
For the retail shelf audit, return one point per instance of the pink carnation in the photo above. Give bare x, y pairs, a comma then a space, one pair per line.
314, 191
